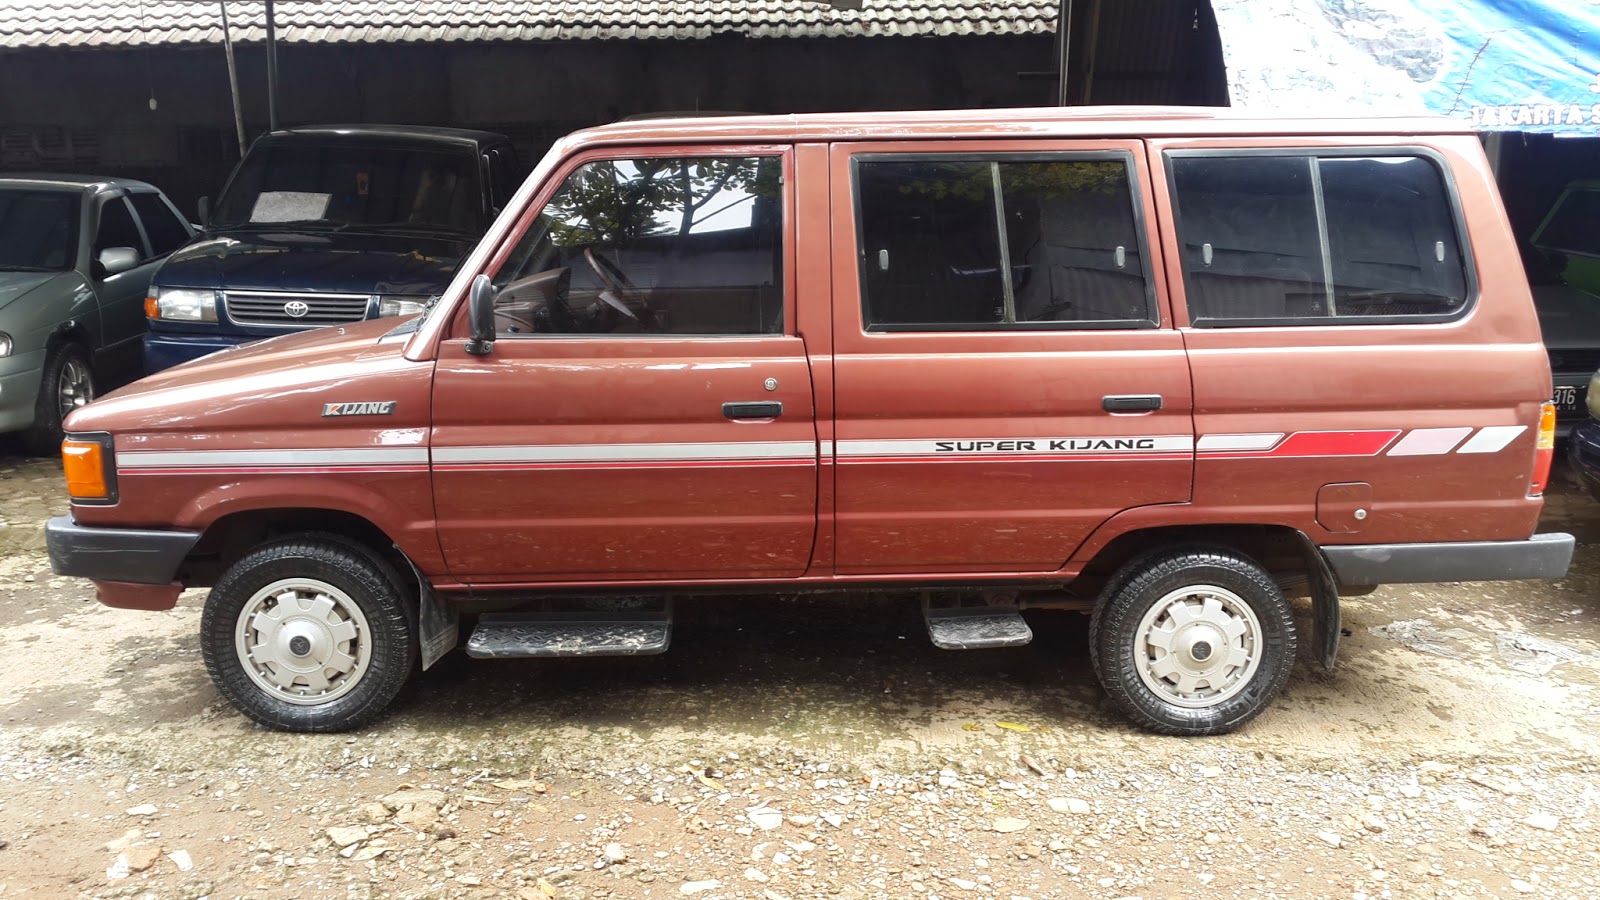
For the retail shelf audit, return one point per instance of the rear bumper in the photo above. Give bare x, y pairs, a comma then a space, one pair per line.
164, 350
1541, 556
134, 555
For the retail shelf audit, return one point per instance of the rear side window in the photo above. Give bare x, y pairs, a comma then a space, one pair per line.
1571, 227
117, 228
167, 232
997, 243
1317, 240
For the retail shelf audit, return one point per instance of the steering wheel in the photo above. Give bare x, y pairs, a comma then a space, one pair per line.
617, 287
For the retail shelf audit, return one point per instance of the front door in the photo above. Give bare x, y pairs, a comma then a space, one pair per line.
1006, 374
121, 294
646, 411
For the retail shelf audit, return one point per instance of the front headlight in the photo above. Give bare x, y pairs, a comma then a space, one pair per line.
401, 306
5, 345
181, 305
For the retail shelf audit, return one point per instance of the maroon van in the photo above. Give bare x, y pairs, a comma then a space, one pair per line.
1166, 366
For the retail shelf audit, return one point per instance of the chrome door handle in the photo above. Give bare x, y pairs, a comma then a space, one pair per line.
767, 409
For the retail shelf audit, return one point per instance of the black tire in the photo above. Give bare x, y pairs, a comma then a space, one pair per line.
43, 438
1137, 588
383, 598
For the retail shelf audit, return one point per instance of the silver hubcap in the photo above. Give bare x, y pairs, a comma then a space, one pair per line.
303, 641
1198, 646
76, 387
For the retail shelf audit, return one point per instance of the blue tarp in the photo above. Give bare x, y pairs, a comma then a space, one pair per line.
1500, 65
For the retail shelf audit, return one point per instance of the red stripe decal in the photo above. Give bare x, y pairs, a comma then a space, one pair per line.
996, 458
1318, 443
273, 470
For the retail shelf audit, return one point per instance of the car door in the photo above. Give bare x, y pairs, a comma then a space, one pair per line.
1006, 374
646, 410
121, 294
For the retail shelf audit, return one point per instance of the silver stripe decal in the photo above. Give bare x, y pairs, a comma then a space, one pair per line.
1492, 439
1021, 446
186, 459
1429, 441
628, 452
1239, 441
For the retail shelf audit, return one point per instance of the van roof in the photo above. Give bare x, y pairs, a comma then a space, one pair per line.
1068, 122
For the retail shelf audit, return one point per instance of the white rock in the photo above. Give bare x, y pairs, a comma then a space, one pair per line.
964, 884
1329, 838
1410, 791
1542, 821
1008, 825
764, 818
1520, 886
147, 809
802, 821
180, 858
754, 874
1210, 771
345, 835
696, 887
1074, 805
615, 853
833, 819
119, 869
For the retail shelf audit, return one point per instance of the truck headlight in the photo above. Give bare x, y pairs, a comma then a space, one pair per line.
401, 306
181, 305
5, 345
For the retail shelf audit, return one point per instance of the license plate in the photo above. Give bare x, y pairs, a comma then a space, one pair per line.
1568, 398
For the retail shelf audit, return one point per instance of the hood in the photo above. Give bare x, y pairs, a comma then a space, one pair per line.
238, 386
13, 285
1569, 318
334, 262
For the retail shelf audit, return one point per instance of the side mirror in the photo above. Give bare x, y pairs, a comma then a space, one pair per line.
204, 208
480, 316
117, 259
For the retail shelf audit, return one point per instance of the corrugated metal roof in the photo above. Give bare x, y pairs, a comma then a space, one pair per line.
90, 23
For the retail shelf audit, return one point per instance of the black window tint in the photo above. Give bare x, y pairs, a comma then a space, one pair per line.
652, 246
933, 256
1301, 238
1573, 226
1249, 232
1074, 242
1391, 237
166, 231
117, 228
38, 230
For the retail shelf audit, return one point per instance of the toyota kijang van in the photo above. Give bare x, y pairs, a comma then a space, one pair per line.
1169, 367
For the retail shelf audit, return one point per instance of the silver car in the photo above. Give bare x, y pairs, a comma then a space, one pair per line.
76, 256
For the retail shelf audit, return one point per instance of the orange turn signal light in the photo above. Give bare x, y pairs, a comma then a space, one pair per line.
85, 466
1544, 451
152, 308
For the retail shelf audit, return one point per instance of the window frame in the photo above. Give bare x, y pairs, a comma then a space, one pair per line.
549, 187
138, 226
165, 203
1469, 265
1141, 232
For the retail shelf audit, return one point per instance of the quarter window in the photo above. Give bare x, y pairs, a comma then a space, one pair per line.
167, 232
1303, 239
681, 245
999, 243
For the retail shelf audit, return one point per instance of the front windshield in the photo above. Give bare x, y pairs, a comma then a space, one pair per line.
38, 230
352, 186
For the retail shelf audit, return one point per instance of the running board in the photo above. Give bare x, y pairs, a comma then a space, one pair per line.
591, 633
977, 627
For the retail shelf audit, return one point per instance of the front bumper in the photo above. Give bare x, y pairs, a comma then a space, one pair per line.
163, 350
19, 389
134, 568
1541, 556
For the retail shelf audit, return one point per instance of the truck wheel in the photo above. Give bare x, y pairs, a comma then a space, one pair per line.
67, 384
1192, 640
310, 633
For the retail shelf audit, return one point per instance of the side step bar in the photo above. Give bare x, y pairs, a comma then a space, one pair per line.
976, 627
589, 633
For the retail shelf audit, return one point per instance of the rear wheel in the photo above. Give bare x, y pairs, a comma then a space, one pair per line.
311, 633
1192, 641
67, 384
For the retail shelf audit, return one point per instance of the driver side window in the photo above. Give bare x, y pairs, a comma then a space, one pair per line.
670, 245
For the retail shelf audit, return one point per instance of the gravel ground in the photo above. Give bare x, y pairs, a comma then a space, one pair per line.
807, 748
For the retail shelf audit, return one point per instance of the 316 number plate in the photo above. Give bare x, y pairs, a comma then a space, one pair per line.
1567, 398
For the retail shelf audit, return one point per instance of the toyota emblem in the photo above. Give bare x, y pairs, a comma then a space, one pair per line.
296, 309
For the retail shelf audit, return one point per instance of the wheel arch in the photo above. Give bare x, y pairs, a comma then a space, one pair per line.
230, 536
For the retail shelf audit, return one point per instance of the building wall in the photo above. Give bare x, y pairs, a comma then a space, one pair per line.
89, 110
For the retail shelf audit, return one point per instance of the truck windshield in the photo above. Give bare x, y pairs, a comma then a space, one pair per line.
1571, 227
38, 230
352, 186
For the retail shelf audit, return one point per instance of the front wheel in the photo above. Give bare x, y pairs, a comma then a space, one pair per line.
67, 385
1192, 641
310, 633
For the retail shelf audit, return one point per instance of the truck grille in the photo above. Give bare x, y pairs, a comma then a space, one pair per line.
273, 309
1574, 362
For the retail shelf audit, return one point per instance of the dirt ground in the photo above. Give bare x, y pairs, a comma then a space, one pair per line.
807, 748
